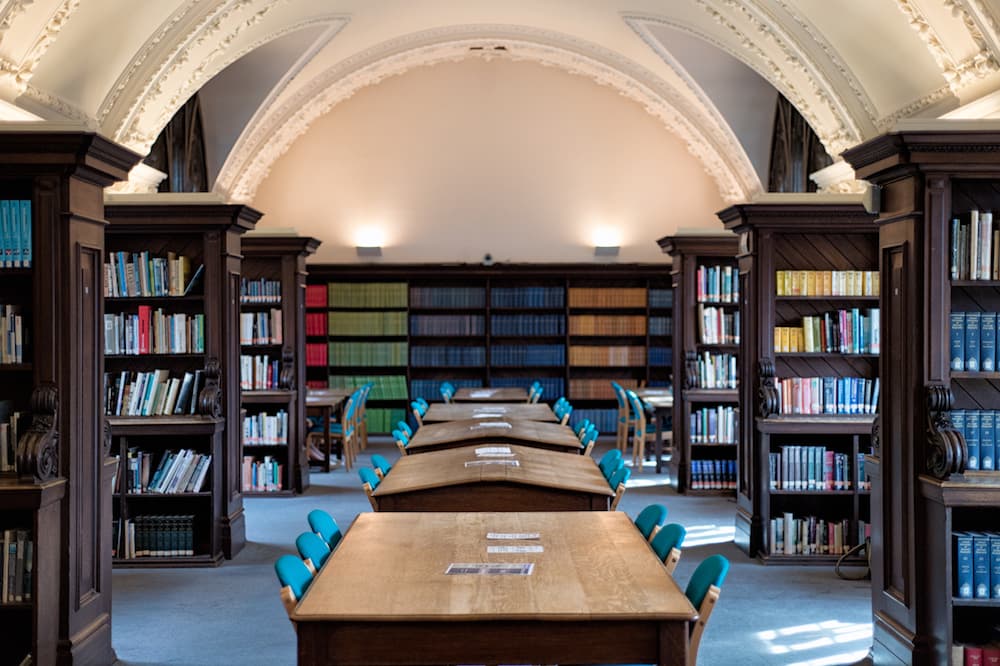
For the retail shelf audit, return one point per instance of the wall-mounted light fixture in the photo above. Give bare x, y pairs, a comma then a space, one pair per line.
369, 251
606, 250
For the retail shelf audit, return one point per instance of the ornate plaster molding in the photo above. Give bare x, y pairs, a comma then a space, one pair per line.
142, 179
819, 105
53, 103
49, 34
838, 178
721, 134
264, 142
958, 74
9, 13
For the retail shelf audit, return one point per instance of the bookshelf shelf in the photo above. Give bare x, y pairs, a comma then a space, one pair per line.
140, 496
941, 182
695, 259
811, 299
205, 237
126, 301
175, 561
976, 603
52, 187
277, 264
497, 308
790, 244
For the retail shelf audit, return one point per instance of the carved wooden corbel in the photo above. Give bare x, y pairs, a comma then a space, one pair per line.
38, 448
946, 449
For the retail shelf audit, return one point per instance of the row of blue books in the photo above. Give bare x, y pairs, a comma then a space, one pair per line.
713, 475
552, 387
661, 357
977, 565
15, 233
447, 356
528, 325
447, 297
974, 341
605, 420
981, 429
527, 355
447, 325
527, 297
661, 326
661, 298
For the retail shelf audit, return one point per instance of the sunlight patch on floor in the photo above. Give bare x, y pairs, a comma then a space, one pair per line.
799, 639
702, 535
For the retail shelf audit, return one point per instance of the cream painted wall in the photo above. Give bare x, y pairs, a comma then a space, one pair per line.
451, 162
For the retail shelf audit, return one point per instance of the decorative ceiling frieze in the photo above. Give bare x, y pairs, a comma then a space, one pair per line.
267, 139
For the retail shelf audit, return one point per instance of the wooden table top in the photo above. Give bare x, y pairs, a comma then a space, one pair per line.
327, 397
461, 411
536, 467
390, 566
490, 395
433, 436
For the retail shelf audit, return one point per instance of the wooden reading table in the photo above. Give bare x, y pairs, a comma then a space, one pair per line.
490, 395
597, 594
328, 402
661, 403
541, 481
437, 436
460, 411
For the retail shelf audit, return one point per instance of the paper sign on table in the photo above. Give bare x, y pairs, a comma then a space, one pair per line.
490, 424
491, 568
513, 535
515, 549
490, 450
508, 463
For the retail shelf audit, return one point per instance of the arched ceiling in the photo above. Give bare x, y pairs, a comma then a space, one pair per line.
703, 68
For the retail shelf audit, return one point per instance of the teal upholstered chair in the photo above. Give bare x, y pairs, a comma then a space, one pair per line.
563, 409
589, 438
402, 441
703, 591
405, 428
342, 430
581, 428
447, 391
313, 550
667, 545
609, 463
617, 483
535, 392
370, 481
381, 465
323, 524
361, 416
621, 435
650, 520
419, 408
642, 428
295, 577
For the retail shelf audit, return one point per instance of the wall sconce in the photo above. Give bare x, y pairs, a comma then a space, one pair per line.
369, 251
606, 250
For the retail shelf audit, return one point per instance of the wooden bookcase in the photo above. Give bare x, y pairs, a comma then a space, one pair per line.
185, 524
508, 325
56, 386
280, 261
694, 448
208, 233
817, 245
921, 490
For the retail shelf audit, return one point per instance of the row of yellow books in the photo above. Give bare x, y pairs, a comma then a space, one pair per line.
826, 283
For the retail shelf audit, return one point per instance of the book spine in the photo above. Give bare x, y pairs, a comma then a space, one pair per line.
981, 565
972, 338
987, 341
958, 341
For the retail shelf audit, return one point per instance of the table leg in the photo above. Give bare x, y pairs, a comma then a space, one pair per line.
658, 444
327, 412
673, 644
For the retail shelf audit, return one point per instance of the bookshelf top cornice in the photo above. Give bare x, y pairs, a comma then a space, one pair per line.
722, 245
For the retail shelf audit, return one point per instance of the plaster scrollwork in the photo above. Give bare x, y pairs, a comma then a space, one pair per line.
817, 107
10, 11
265, 141
49, 34
958, 74
59, 106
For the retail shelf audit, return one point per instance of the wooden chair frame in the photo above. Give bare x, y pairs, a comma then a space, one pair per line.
619, 491
371, 499
288, 599
672, 558
707, 606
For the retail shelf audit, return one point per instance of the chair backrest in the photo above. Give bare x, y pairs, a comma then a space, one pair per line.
703, 591
447, 391
418, 411
620, 475
381, 464
609, 462
589, 438
581, 428
295, 577
619, 394
313, 549
617, 483
368, 476
667, 545
638, 409
405, 428
323, 524
401, 441
650, 518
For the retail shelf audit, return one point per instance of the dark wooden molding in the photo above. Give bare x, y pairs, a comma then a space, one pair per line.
210, 397
705, 245
267, 245
947, 452
38, 449
767, 394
